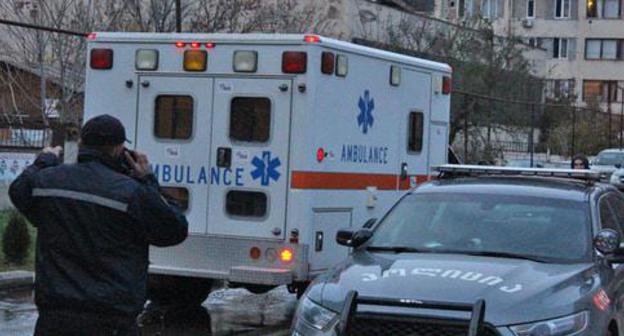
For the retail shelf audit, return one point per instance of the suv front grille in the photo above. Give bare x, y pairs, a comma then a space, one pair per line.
379, 327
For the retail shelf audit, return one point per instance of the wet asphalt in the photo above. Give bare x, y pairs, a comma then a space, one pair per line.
225, 312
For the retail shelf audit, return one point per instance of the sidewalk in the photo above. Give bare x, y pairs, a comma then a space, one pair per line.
16, 280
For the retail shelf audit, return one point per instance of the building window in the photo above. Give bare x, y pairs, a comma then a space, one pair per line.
560, 48
246, 203
250, 119
489, 9
415, 132
604, 49
562, 9
600, 91
608, 9
558, 89
530, 9
173, 117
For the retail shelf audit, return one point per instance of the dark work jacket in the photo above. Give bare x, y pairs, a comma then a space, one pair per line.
94, 226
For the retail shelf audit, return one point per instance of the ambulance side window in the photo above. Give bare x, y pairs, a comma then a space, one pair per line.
415, 132
173, 117
250, 119
246, 203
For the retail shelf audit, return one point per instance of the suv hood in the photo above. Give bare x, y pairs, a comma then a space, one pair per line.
516, 291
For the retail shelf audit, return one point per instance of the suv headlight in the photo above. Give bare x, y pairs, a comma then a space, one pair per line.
315, 315
565, 326
615, 178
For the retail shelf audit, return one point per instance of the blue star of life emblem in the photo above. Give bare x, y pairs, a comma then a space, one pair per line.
265, 168
365, 118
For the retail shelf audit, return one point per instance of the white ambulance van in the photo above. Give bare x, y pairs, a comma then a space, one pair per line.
272, 143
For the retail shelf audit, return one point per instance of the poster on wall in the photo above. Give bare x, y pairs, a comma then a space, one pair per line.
12, 164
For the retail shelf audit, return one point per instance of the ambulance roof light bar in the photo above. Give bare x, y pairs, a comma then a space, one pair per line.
451, 170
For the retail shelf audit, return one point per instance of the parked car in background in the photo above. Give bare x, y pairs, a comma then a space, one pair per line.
607, 161
524, 163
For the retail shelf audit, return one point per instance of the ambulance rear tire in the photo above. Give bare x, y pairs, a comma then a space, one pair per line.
259, 289
170, 290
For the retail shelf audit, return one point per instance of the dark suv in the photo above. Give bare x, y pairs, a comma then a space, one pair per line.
480, 251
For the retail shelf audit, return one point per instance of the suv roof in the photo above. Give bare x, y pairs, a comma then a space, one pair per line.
555, 183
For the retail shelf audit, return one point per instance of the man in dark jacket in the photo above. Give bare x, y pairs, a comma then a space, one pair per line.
95, 220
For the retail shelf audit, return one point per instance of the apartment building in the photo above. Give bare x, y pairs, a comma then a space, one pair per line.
583, 39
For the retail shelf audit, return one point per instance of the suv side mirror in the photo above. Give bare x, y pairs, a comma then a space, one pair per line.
353, 238
618, 165
608, 241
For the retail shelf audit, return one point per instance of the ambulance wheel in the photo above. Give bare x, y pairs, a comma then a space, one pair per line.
259, 289
169, 290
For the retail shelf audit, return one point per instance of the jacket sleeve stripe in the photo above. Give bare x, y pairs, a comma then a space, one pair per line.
80, 196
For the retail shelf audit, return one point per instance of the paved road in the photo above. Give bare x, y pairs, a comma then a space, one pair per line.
226, 312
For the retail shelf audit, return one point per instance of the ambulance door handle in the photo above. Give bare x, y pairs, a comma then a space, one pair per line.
224, 157
283, 87
145, 84
403, 171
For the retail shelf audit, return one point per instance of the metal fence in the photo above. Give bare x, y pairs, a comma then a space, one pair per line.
487, 128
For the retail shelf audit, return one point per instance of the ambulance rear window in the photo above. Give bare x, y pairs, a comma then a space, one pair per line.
415, 132
246, 203
173, 117
181, 195
250, 119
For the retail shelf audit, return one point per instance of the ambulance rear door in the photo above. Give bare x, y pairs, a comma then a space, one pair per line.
173, 128
250, 141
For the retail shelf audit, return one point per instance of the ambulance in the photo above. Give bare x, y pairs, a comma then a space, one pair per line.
271, 143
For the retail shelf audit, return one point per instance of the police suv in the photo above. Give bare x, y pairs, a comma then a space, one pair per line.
480, 251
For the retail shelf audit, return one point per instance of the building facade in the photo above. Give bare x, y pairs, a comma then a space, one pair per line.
583, 39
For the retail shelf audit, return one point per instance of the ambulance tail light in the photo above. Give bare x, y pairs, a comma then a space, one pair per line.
294, 62
146, 59
195, 45
286, 255
245, 61
255, 253
92, 36
447, 85
195, 60
101, 59
180, 44
327, 63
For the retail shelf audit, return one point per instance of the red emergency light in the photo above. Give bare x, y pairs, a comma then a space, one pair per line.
311, 39
101, 59
447, 85
294, 62
195, 45
180, 44
327, 63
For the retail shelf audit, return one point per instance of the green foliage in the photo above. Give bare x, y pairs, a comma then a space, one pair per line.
16, 239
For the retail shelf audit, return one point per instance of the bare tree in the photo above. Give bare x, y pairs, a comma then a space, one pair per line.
58, 59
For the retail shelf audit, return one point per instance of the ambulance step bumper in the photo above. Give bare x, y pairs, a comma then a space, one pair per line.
259, 275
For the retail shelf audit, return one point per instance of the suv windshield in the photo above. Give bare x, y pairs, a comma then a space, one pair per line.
609, 159
537, 228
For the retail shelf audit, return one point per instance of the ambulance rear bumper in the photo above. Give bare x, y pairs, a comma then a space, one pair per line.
229, 259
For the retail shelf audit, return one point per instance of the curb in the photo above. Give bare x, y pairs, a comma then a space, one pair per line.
17, 280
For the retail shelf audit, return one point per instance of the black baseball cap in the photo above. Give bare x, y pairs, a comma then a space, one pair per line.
103, 130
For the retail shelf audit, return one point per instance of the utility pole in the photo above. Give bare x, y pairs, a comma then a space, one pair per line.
531, 135
621, 113
178, 13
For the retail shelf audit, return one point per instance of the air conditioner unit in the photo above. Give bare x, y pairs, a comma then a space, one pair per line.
527, 23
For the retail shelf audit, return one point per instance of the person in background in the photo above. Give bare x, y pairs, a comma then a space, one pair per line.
579, 161
95, 220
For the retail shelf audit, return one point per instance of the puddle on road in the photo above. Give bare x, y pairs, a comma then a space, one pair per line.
18, 313
226, 312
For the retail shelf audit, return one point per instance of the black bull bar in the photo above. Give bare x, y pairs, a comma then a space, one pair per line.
477, 310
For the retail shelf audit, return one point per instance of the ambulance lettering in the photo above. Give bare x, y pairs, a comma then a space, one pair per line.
182, 174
